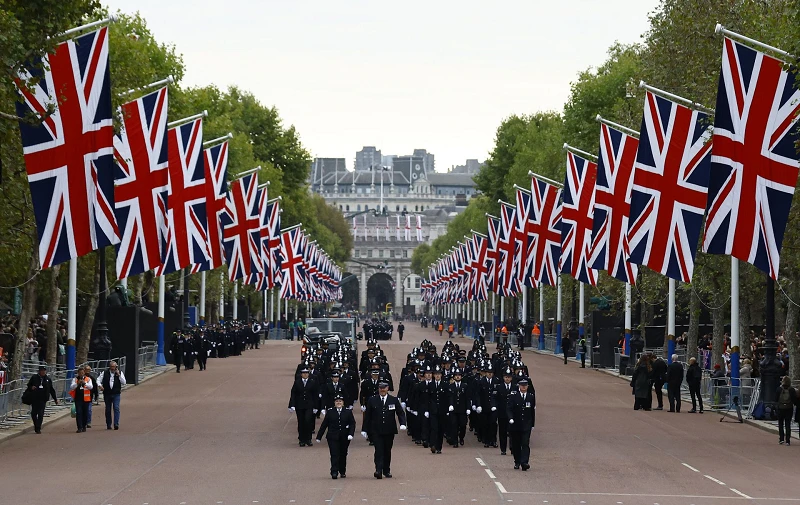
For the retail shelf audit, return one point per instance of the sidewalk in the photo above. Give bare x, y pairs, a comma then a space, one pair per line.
769, 426
55, 412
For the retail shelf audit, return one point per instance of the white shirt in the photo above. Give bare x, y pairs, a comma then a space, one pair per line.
112, 379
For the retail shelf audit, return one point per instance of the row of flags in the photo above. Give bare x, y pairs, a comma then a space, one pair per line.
402, 233
644, 200
155, 190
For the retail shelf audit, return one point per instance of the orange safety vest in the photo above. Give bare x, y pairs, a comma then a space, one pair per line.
450, 328
504, 330
535, 330
441, 327
87, 393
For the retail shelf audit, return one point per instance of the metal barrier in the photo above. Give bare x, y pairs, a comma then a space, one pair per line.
146, 360
278, 334
550, 342
617, 355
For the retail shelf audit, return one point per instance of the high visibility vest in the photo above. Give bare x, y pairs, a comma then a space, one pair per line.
535, 330
504, 330
87, 393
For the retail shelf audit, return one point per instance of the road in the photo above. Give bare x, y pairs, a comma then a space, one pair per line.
225, 436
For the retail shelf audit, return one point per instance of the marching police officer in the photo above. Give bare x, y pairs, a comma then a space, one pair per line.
177, 345
304, 402
380, 421
521, 412
341, 425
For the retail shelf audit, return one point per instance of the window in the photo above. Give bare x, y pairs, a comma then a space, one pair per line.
358, 208
369, 253
408, 301
340, 208
358, 190
366, 207
393, 253
347, 208
387, 253
405, 253
416, 208
408, 283
404, 207
397, 208
356, 253
380, 253
416, 282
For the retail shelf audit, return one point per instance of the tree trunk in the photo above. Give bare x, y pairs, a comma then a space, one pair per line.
694, 326
85, 335
52, 315
25, 316
718, 342
792, 340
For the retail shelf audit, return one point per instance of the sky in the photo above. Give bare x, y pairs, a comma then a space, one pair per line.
438, 74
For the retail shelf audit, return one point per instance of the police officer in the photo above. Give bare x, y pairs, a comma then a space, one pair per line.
177, 345
380, 421
304, 402
521, 412
501, 393
341, 425
459, 409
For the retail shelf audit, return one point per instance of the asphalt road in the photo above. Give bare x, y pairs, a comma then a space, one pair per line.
225, 436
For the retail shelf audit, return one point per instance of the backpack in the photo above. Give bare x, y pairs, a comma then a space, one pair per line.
785, 399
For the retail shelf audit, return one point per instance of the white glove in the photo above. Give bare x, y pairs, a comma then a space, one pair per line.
494, 408
350, 407
469, 412
474, 407
510, 421
319, 441
413, 412
291, 409
349, 437
451, 408
314, 410
427, 415
363, 408
323, 412
320, 395
364, 434
531, 428
402, 427
479, 410
403, 404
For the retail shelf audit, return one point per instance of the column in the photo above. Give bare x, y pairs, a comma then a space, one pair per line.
362, 289
398, 290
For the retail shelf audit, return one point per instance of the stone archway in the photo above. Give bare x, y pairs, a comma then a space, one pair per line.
350, 287
380, 291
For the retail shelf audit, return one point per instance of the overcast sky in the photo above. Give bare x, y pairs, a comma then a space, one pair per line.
434, 74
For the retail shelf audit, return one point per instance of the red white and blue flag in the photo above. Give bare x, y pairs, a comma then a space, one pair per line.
612, 204
271, 248
508, 253
754, 162
215, 164
69, 154
240, 229
670, 188
525, 237
492, 252
481, 269
546, 229
186, 237
576, 219
140, 151
292, 264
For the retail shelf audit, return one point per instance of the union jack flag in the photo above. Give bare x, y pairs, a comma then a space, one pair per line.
69, 154
264, 279
240, 228
670, 188
492, 252
546, 228
273, 252
481, 269
508, 253
576, 219
525, 237
186, 237
215, 164
754, 163
612, 204
292, 264
140, 151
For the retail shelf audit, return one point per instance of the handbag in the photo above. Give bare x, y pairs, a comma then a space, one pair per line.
61, 349
27, 397
72, 412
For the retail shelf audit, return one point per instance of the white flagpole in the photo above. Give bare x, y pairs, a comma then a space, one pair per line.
202, 299
524, 304
735, 330
160, 357
671, 320
72, 303
541, 315
221, 296
235, 300
168, 80
628, 322
558, 316
581, 310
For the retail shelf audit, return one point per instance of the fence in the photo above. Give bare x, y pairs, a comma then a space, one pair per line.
550, 342
146, 360
14, 413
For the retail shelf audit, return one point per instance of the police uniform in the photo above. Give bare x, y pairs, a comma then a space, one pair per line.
521, 412
380, 422
304, 402
340, 425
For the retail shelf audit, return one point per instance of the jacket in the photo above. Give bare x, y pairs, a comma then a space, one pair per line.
42, 388
500, 395
460, 397
792, 397
523, 412
694, 375
339, 426
81, 392
380, 418
659, 370
304, 397
675, 373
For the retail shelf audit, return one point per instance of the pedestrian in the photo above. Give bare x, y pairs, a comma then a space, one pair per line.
380, 421
111, 382
341, 425
81, 392
640, 382
88, 370
176, 346
521, 413
42, 387
659, 377
787, 399
441, 328
304, 402
566, 344
694, 376
582, 349
481, 334
674, 382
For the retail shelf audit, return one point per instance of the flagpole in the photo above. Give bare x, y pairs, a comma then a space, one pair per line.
575, 150
242, 174
72, 303
671, 320
110, 19
541, 317
558, 316
735, 330
185, 120
235, 300
160, 359
545, 179
217, 141
737, 36
168, 80
612, 124
581, 310
628, 324
202, 309
676, 98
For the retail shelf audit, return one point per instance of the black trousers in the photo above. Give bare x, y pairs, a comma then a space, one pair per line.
177, 359
659, 393
694, 391
82, 414
383, 452
583, 360
436, 434
425, 425
502, 428
37, 414
338, 449
674, 396
785, 424
489, 429
458, 427
202, 357
305, 424
565, 356
521, 446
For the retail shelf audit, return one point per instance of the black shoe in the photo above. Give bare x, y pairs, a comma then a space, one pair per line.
693, 411
425, 444
485, 446
108, 427
781, 442
302, 444
341, 474
38, 432
371, 444
116, 427
178, 371
670, 410
88, 425
378, 475
81, 431
516, 466
525, 467
334, 476
438, 451
388, 475
502, 453
433, 450
309, 443
659, 408
494, 446
461, 442
701, 411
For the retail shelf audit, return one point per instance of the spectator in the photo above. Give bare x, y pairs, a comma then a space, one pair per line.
42, 387
31, 345
674, 381
694, 376
111, 382
659, 377
787, 399
746, 371
95, 392
719, 396
81, 392
640, 382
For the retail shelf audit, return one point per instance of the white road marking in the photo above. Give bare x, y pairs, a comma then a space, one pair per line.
714, 480
740, 493
480, 461
500, 487
690, 467
642, 495
489, 473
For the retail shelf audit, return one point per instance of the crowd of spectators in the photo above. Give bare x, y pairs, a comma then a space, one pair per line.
35, 340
